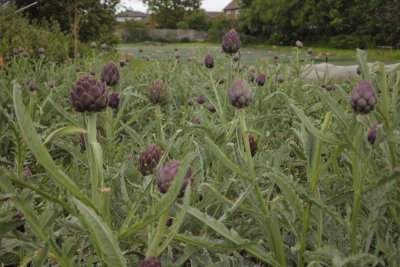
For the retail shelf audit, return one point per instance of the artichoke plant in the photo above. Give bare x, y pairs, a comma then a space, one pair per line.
299, 44
41, 50
372, 134
364, 98
201, 99
212, 109
113, 101
253, 145
167, 173
31, 86
149, 159
89, 94
260, 80
209, 62
231, 42
110, 74
158, 92
240, 94
252, 74
150, 262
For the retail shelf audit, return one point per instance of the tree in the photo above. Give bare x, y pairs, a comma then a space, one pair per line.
196, 20
86, 20
168, 13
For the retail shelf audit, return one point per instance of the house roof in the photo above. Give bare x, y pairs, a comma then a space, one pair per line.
133, 14
213, 14
233, 5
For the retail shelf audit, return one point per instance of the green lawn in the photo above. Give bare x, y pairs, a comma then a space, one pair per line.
253, 53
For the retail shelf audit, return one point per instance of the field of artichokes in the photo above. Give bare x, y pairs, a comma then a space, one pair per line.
200, 162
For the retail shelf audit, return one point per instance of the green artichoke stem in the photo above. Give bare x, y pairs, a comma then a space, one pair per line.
357, 185
221, 112
313, 178
160, 130
271, 221
95, 159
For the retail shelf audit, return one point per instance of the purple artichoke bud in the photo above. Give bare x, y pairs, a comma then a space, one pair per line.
89, 94
236, 57
309, 51
200, 99
93, 45
252, 74
7, 58
169, 222
220, 79
15, 51
211, 108
126, 60
77, 69
330, 87
31, 86
207, 86
190, 101
151, 262
276, 57
260, 80
113, 101
358, 71
231, 42
122, 63
166, 176
21, 50
149, 159
26, 172
158, 92
372, 134
196, 121
280, 78
104, 46
175, 49
364, 98
25, 54
140, 50
177, 55
41, 50
110, 74
299, 44
209, 62
240, 94
253, 145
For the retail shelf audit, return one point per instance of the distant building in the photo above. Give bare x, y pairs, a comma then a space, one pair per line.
132, 15
232, 9
211, 15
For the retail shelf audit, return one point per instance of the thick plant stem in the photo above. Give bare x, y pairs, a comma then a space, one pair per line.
357, 185
95, 160
160, 130
222, 113
313, 178
152, 250
271, 220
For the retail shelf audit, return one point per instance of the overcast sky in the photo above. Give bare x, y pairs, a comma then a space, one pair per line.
209, 5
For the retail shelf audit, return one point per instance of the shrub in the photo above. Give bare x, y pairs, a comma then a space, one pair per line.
16, 31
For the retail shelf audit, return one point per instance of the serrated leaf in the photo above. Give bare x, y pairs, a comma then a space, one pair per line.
101, 235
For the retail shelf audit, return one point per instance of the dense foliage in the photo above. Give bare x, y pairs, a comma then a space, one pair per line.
16, 31
168, 13
188, 163
337, 23
96, 18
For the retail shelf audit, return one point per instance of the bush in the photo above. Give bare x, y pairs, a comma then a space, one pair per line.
351, 41
134, 31
16, 31
219, 27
